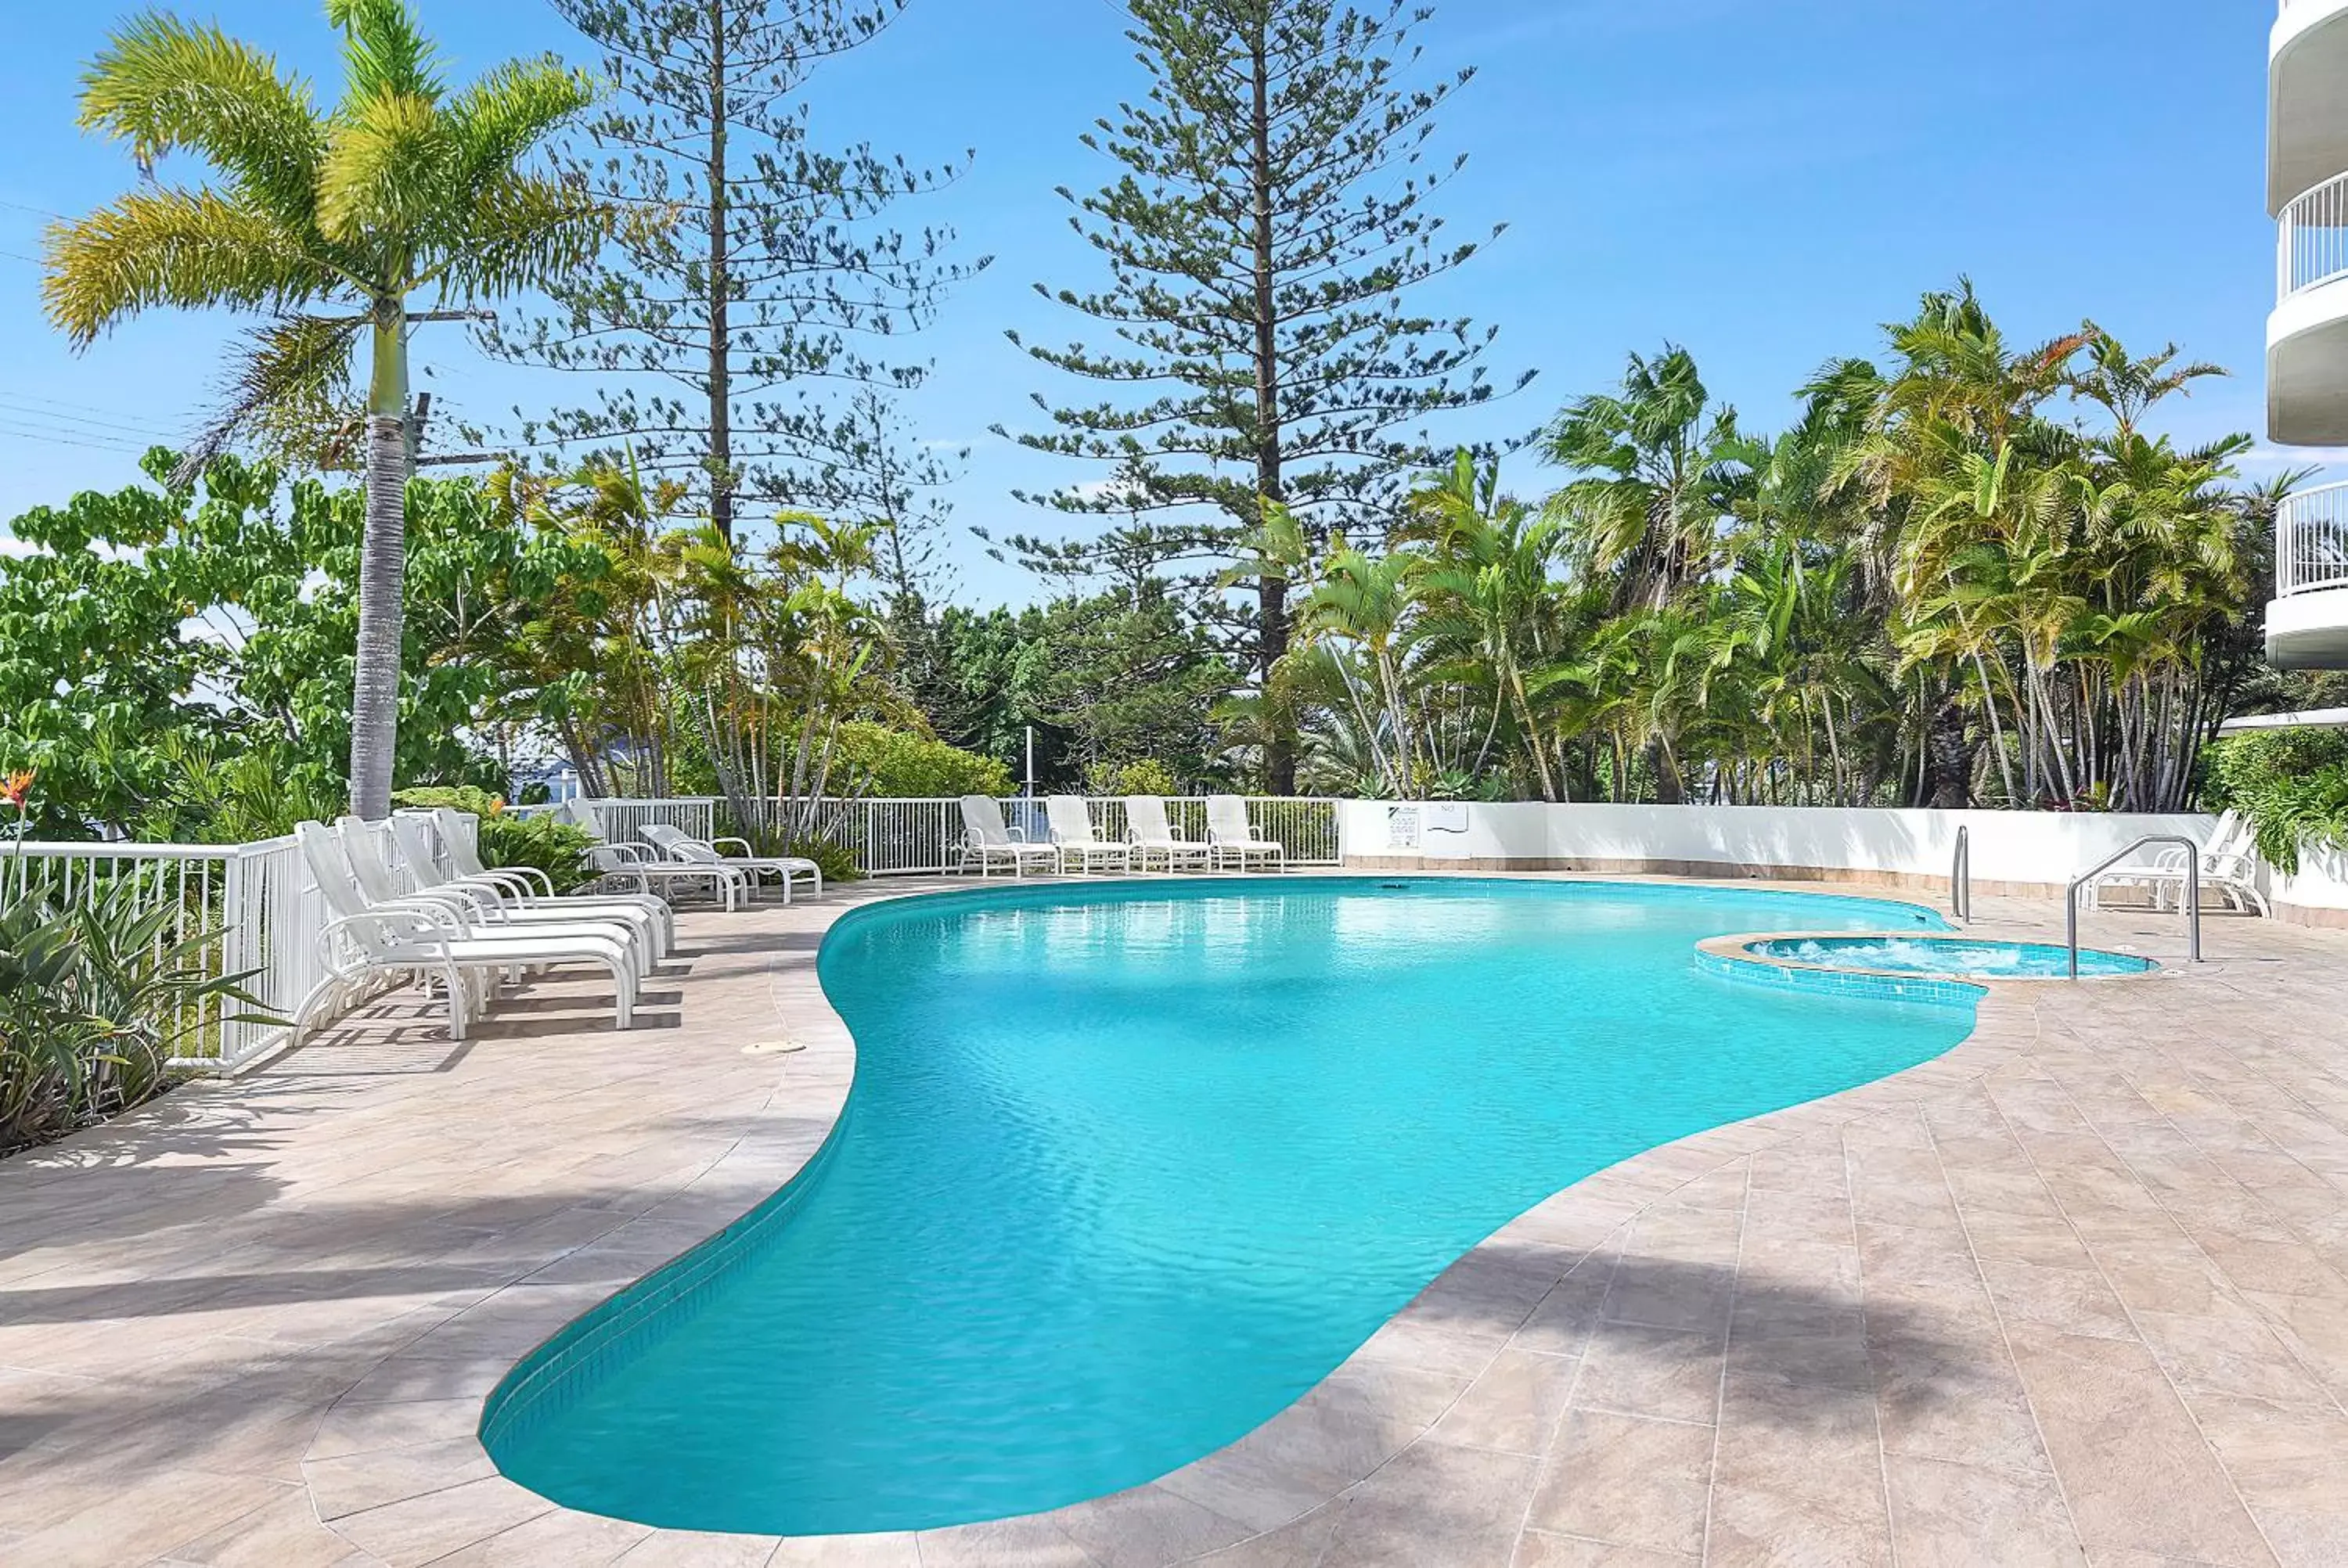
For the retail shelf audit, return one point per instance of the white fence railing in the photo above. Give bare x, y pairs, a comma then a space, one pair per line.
2311, 238
253, 909
2312, 540
916, 837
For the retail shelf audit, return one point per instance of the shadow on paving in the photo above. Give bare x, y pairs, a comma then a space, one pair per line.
1801, 1357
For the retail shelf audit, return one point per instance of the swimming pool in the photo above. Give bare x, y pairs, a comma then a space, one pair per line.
1949, 955
1127, 1169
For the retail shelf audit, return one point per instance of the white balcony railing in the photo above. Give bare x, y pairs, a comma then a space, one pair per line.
2312, 239
2311, 541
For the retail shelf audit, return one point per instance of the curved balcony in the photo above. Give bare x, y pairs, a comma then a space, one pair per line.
2307, 111
2307, 624
2307, 335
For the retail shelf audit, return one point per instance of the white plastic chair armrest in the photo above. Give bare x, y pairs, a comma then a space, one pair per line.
719, 845
531, 879
395, 922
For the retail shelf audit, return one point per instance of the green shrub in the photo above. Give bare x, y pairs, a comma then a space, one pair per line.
2290, 785
95, 996
457, 797
837, 860
1144, 777
550, 843
894, 765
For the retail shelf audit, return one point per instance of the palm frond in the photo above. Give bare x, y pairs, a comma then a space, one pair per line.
162, 84
191, 249
520, 232
291, 388
385, 170
496, 121
384, 51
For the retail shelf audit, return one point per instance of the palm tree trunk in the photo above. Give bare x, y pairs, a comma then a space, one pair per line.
1996, 734
382, 571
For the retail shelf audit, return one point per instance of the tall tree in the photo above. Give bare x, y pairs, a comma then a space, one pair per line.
329, 223
1269, 225
1659, 462
754, 261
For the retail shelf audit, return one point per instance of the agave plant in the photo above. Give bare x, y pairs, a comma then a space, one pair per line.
95, 997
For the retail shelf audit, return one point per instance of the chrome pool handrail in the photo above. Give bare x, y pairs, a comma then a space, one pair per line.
2192, 892
1960, 878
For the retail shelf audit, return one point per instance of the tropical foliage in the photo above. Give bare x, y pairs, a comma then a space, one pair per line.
2291, 785
97, 995
1969, 570
327, 224
541, 841
1968, 575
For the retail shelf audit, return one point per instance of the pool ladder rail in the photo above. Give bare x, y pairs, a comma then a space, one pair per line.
2192, 892
1960, 878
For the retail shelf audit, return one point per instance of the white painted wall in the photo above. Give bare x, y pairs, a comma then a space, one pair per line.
2321, 882
2043, 847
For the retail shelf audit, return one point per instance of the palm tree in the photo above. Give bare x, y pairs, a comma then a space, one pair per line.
327, 223
1488, 596
1657, 462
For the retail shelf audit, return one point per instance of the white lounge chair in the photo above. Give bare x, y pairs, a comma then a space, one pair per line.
1232, 837
1071, 822
476, 913
427, 942
2229, 865
676, 844
1152, 837
984, 839
635, 865
421, 837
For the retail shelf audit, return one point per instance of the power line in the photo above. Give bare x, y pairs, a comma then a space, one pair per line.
69, 402
51, 438
38, 421
80, 423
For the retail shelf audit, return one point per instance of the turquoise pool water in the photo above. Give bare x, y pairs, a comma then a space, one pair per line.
1944, 956
1127, 1169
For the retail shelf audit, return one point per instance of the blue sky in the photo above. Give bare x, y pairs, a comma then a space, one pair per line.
1762, 180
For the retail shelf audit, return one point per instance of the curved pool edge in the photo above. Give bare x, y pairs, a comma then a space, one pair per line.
1388, 1396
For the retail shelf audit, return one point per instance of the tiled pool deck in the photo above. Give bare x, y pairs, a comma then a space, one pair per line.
2076, 1293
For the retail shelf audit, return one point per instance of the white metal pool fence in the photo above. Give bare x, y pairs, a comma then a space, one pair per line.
254, 905
920, 837
260, 914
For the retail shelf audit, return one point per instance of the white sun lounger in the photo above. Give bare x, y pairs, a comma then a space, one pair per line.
420, 837
626, 864
677, 844
427, 942
1153, 838
985, 840
373, 874
2228, 864
1233, 839
1071, 823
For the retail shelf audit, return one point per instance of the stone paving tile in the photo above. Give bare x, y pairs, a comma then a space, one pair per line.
1627, 1481
2073, 1293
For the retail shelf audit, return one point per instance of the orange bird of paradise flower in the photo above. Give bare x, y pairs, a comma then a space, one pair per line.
18, 789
